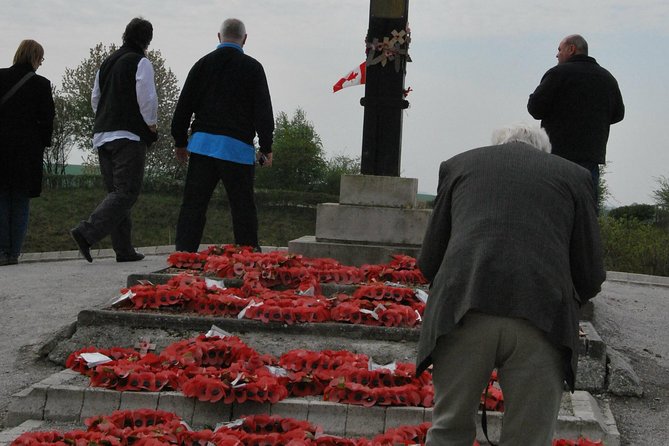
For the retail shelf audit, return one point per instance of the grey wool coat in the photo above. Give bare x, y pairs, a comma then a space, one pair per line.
513, 233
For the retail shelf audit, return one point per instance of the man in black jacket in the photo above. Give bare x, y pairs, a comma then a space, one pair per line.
126, 113
227, 93
577, 101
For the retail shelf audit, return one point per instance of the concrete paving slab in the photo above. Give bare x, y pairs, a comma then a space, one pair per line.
330, 416
177, 403
99, 402
64, 403
27, 404
403, 416
297, 408
207, 414
139, 400
365, 421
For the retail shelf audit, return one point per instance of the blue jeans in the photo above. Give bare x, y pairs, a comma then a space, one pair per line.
14, 210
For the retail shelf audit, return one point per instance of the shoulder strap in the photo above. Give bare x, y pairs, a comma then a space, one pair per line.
15, 88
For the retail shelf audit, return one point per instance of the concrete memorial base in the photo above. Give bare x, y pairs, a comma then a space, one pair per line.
376, 217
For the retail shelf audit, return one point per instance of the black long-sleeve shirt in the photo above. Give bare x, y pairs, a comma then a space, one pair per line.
227, 92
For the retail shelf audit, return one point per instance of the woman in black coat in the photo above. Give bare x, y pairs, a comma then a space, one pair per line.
26, 125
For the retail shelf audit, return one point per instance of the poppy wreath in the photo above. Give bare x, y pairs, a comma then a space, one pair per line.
122, 422
190, 293
280, 268
579, 442
375, 313
300, 360
204, 351
214, 369
380, 291
156, 428
76, 363
188, 260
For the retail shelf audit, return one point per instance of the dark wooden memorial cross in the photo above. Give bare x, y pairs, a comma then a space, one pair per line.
387, 44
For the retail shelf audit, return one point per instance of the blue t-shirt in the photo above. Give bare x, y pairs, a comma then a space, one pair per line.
221, 146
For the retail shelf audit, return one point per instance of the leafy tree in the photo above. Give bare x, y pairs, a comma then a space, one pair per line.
298, 162
644, 213
77, 87
603, 192
335, 167
55, 157
661, 194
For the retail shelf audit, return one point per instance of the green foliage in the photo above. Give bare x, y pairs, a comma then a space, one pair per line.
603, 193
336, 167
154, 219
661, 194
55, 157
640, 212
161, 160
635, 247
77, 87
298, 162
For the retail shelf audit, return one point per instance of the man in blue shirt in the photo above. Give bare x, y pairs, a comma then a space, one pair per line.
227, 96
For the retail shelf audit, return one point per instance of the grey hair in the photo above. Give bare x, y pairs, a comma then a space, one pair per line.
579, 42
525, 133
233, 30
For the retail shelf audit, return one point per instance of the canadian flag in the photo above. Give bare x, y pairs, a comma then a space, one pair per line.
356, 76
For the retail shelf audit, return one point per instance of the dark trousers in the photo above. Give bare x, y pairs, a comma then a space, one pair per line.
593, 168
204, 173
122, 168
14, 211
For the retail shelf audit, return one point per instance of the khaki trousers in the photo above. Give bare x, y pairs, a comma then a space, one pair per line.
530, 372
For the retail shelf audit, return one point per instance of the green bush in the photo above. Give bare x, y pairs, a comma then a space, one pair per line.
640, 212
635, 247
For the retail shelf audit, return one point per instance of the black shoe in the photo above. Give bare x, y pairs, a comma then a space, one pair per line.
12, 260
134, 257
82, 244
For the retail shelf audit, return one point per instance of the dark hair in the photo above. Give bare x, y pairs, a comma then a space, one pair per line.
138, 32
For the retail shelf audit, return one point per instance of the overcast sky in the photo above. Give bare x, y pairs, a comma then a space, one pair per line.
474, 64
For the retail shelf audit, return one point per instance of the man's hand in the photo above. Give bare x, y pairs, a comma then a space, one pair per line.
267, 161
182, 154
154, 128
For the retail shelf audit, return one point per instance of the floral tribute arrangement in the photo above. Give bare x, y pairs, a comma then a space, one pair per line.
157, 428
299, 300
281, 268
223, 368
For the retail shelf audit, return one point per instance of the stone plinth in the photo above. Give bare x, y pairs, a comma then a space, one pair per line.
375, 218
370, 224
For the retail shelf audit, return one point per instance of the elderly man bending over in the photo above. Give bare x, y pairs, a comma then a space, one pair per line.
512, 252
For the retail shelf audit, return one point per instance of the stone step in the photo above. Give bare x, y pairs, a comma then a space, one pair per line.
110, 328
67, 397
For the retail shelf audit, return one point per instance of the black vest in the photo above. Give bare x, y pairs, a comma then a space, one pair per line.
118, 108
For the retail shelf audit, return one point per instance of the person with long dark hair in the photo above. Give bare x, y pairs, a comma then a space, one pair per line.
26, 126
126, 113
